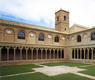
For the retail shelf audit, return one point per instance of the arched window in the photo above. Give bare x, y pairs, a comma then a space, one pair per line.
56, 39
41, 37
93, 36
21, 35
78, 38
64, 18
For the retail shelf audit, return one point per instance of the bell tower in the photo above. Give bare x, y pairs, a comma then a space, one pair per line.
62, 21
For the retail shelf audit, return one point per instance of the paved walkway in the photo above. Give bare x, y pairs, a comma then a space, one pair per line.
85, 75
17, 74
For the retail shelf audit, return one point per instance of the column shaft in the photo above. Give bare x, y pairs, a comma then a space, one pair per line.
92, 53
7, 54
14, 53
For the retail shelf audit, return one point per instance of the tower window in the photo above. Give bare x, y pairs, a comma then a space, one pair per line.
64, 18
57, 18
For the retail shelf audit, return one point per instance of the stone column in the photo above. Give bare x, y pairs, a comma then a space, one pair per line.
84, 53
37, 53
31, 53
88, 53
77, 54
41, 53
26, 53
80, 53
8, 54
92, 53
46, 53
74, 53
14, 54
0, 54
50, 54
20, 53
53, 53
57, 54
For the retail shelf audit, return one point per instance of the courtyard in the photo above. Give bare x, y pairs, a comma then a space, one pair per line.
48, 71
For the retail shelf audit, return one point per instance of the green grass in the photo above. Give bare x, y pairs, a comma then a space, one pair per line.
65, 63
40, 76
90, 70
6, 70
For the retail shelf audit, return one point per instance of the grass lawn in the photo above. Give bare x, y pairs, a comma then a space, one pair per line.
40, 76
6, 70
65, 63
90, 70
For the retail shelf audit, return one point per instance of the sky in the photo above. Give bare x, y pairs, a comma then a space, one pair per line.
42, 12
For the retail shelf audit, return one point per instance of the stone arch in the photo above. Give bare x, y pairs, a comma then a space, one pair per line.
11, 53
17, 53
4, 53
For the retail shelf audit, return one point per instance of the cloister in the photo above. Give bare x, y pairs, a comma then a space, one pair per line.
30, 53
83, 53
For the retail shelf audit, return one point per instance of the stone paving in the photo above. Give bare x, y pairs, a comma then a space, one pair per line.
56, 70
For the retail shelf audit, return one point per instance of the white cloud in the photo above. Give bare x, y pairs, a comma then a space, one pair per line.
81, 11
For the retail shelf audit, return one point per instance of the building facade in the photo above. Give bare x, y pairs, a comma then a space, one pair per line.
25, 44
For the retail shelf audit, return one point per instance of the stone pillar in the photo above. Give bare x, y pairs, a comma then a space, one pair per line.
20, 53
0, 54
77, 54
88, 53
53, 53
80, 53
92, 53
84, 53
50, 54
41, 53
26, 53
37, 53
14, 54
46, 53
74, 53
8, 54
31, 53
57, 54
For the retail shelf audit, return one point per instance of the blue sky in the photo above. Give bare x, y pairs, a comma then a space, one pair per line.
42, 12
